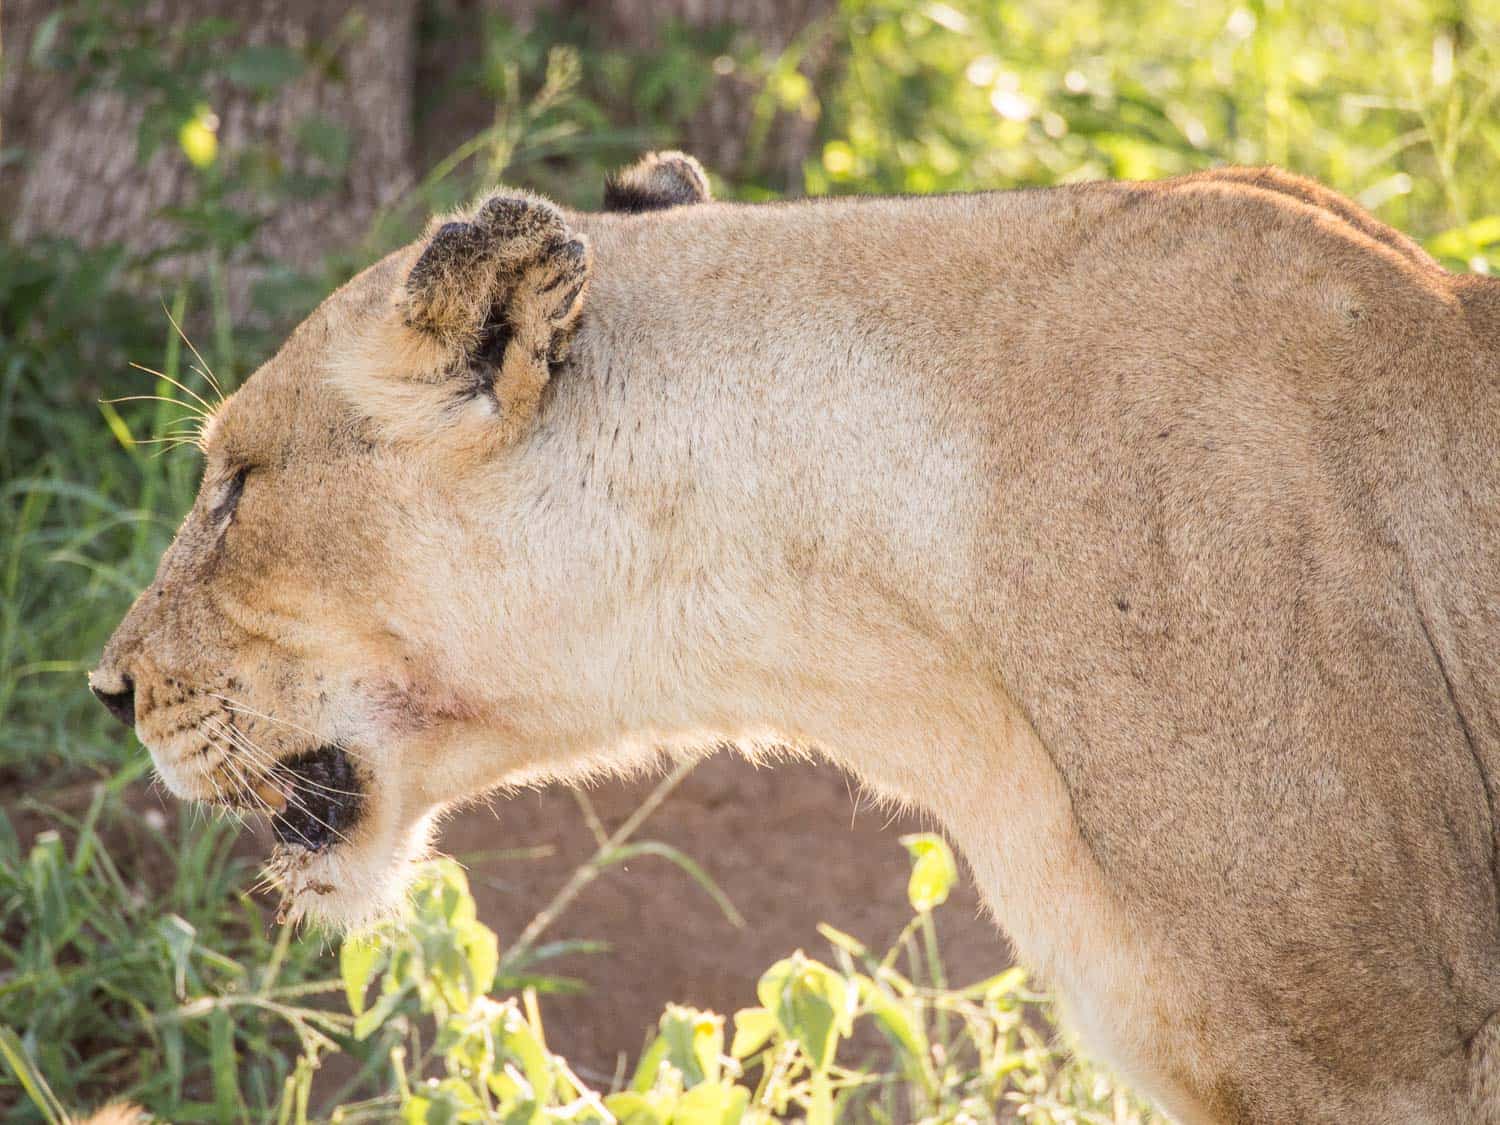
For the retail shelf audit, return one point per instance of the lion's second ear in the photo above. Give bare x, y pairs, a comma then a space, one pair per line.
655, 182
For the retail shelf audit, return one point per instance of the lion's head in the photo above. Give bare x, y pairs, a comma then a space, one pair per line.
313, 636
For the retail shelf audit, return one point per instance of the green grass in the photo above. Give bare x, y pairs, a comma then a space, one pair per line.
122, 925
132, 957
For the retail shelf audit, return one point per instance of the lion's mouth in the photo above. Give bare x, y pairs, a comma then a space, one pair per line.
323, 798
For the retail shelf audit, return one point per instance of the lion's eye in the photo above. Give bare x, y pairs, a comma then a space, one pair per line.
229, 496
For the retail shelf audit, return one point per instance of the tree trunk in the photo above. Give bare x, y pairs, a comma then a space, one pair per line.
79, 174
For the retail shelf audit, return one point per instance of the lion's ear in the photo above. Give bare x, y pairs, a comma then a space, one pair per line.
655, 182
480, 278
487, 309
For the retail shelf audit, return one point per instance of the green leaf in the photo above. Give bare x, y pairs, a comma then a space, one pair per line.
933, 871
752, 1028
224, 1065
1465, 241
179, 935
649, 1067
483, 948
1000, 986
262, 68
631, 1108
712, 1103
439, 1103
384, 1008
26, 1072
847, 942
517, 1039
811, 1003
695, 1041
360, 958
895, 1020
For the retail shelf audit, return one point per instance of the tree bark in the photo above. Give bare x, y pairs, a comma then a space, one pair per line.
79, 175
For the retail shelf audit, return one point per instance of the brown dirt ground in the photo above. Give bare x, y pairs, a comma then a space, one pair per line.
785, 843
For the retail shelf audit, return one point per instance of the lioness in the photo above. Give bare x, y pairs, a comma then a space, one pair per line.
1148, 535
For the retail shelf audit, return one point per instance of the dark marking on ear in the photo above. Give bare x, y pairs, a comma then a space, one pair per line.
498, 298
489, 352
657, 181
571, 258
466, 266
565, 305
453, 243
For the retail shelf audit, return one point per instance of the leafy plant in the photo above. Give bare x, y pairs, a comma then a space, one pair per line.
953, 1055
1391, 102
122, 934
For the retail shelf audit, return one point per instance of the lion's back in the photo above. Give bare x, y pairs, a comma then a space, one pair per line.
1205, 594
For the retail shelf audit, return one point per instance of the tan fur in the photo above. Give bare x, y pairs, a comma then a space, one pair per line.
118, 1113
1148, 535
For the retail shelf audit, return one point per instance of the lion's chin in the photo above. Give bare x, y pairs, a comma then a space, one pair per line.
355, 881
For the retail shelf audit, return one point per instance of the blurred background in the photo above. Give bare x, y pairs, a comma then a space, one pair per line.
225, 164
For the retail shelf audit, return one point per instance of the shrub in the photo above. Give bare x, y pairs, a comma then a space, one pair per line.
978, 1053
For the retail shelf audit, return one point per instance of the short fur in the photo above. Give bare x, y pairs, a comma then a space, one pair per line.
1148, 535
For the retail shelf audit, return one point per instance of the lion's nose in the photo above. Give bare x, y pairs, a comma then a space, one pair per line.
120, 704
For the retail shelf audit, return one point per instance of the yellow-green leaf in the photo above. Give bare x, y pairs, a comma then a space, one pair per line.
1467, 240
811, 1003
695, 1042
631, 1108
752, 1028
933, 871
359, 958
712, 1103
894, 1018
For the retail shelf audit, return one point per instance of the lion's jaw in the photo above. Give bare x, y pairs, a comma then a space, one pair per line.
351, 712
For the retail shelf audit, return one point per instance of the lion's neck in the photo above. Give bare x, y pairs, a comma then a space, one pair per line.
751, 536
765, 540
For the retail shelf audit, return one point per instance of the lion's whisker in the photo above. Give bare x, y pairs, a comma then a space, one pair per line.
193, 409
210, 378
206, 370
292, 798
173, 439
268, 764
236, 705
208, 409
